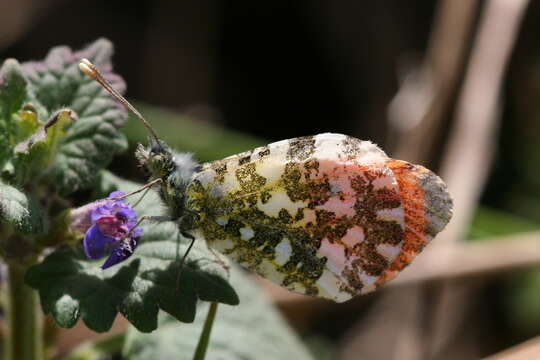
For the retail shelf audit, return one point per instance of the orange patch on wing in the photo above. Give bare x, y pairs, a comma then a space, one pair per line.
413, 201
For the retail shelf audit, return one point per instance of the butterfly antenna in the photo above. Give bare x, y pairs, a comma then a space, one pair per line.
89, 69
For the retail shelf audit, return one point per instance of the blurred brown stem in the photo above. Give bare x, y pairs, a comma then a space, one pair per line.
418, 111
469, 153
470, 150
417, 115
524, 351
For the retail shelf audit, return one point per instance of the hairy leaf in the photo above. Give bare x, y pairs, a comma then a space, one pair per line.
13, 93
71, 286
18, 209
28, 122
13, 90
48, 134
34, 154
253, 330
90, 142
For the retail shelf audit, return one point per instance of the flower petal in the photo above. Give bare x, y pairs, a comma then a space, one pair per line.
121, 252
94, 243
111, 221
127, 214
112, 227
115, 194
102, 210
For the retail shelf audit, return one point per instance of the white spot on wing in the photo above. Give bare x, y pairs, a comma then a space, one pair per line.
222, 220
330, 146
329, 285
353, 236
283, 252
340, 207
271, 168
341, 183
280, 200
268, 270
222, 245
309, 216
367, 280
335, 253
388, 180
246, 233
395, 214
390, 252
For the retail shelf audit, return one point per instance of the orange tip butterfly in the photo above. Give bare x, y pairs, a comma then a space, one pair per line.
326, 215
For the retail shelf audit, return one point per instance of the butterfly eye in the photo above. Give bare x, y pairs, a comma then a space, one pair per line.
155, 150
146, 172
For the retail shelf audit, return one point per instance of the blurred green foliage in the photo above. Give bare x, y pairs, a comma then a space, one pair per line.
520, 290
490, 222
206, 140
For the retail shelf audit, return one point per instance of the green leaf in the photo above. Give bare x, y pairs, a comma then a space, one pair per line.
91, 142
35, 153
489, 222
49, 134
21, 211
12, 88
13, 93
522, 300
253, 330
71, 286
28, 122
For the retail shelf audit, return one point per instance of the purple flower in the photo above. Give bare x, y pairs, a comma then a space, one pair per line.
109, 227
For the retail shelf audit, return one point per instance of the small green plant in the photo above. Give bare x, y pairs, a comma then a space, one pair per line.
58, 132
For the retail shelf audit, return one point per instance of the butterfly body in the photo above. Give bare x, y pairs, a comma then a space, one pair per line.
326, 215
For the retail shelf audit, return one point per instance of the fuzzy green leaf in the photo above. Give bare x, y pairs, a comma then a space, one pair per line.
19, 210
91, 142
13, 93
48, 135
13, 86
71, 286
28, 122
253, 330
36, 152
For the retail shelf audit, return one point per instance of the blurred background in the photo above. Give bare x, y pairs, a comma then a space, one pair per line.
451, 84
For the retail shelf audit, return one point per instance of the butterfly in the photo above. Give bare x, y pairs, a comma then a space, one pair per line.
326, 215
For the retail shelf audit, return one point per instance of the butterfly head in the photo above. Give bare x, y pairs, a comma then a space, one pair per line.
156, 160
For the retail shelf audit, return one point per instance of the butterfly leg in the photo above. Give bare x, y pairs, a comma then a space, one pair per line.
145, 186
184, 257
147, 218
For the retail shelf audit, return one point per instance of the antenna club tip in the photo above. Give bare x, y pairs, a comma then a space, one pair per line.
87, 67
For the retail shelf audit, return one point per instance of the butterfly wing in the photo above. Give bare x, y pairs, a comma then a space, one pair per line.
326, 215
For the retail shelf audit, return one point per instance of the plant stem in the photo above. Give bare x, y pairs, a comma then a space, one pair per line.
98, 349
200, 351
24, 340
